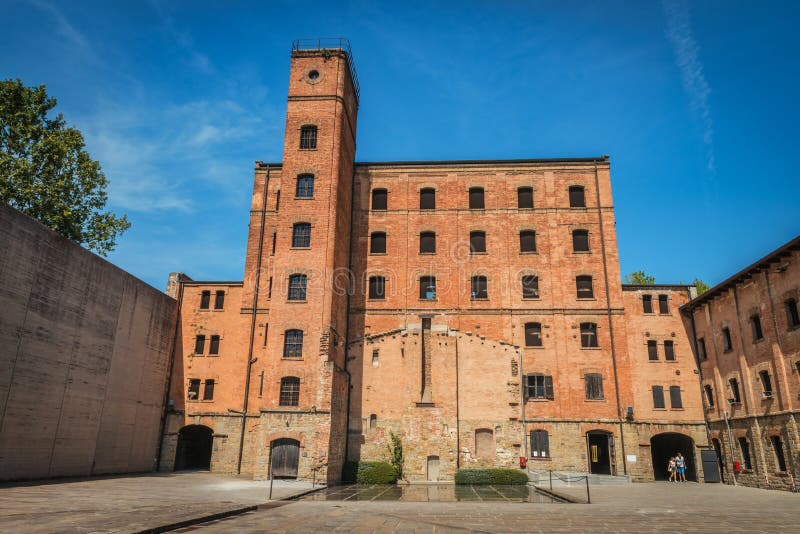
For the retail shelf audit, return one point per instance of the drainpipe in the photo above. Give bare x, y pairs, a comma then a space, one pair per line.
253, 322
610, 322
458, 415
347, 317
730, 443
522, 403
163, 424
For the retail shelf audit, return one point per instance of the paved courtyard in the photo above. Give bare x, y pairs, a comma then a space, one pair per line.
650, 507
131, 503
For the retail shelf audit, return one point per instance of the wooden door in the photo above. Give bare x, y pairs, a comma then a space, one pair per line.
433, 468
285, 457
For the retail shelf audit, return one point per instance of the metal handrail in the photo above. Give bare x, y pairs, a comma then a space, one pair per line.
331, 43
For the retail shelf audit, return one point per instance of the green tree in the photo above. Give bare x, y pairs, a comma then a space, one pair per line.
46, 173
640, 278
701, 286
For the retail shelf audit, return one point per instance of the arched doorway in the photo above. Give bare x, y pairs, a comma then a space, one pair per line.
601, 452
664, 446
284, 455
194, 447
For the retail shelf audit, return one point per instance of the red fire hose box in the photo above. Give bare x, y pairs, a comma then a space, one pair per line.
523, 462
737, 467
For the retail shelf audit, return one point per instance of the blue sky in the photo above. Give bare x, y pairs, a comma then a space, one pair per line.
694, 101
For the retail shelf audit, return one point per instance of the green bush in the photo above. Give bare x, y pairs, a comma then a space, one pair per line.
376, 473
491, 476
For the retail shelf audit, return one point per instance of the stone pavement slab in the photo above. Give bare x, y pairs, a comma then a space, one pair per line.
642, 507
128, 504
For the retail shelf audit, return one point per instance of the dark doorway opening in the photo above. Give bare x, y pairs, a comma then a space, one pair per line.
285, 454
194, 447
665, 446
601, 452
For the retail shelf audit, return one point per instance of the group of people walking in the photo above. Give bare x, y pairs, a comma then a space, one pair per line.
677, 468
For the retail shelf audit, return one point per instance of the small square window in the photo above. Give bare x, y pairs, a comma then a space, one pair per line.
476, 201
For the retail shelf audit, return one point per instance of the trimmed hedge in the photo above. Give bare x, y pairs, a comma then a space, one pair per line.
491, 476
369, 472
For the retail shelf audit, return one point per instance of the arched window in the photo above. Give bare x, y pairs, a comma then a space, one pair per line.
293, 344
525, 198
476, 198
305, 186
580, 240
533, 334
379, 199
427, 198
589, 335
290, 391
301, 235
427, 242
484, 443
477, 242
308, 137
377, 243
479, 289
530, 287
577, 197
297, 287
583, 284
527, 241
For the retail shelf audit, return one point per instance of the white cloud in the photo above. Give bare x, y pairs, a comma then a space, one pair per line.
687, 56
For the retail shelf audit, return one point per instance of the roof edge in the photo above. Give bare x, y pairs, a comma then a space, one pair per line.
604, 159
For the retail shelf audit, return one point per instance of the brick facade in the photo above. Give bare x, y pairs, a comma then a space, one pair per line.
446, 368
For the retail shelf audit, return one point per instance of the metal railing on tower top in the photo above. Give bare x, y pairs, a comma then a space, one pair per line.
331, 43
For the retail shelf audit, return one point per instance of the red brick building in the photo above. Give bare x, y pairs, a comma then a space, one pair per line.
746, 332
474, 308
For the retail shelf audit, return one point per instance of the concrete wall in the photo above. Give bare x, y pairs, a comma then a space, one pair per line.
84, 351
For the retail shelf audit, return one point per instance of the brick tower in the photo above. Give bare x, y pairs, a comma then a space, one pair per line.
303, 207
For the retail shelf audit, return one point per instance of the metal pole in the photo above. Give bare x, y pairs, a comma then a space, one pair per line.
588, 496
551, 480
730, 444
270, 484
313, 477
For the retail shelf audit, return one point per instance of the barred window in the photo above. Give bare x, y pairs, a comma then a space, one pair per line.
213, 346
525, 198
540, 444
305, 186
427, 242
479, 288
379, 199
377, 243
477, 242
301, 235
533, 334
580, 240
594, 386
297, 287
669, 350
199, 344
427, 199
377, 287
584, 287
208, 392
675, 400
219, 300
290, 391
588, 335
577, 197
539, 386
205, 300
527, 241
427, 287
530, 287
476, 198
652, 349
658, 397
293, 344
647, 303
308, 137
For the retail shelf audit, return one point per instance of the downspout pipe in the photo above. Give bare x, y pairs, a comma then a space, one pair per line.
610, 321
256, 289
347, 317
523, 397
163, 424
